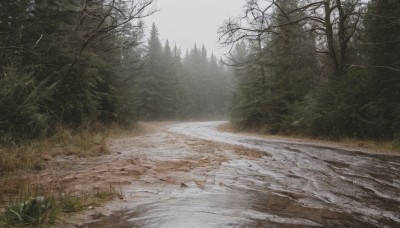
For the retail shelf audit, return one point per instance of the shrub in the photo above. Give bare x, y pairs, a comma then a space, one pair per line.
21, 97
32, 212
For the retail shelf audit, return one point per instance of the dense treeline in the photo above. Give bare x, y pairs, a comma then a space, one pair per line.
78, 62
171, 87
327, 68
68, 62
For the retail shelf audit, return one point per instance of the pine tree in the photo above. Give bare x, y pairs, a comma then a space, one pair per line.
67, 54
294, 64
276, 74
172, 90
149, 83
248, 101
364, 102
383, 32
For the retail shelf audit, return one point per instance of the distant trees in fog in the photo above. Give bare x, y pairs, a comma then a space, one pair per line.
194, 86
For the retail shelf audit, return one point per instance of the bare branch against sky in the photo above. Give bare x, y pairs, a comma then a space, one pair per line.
185, 22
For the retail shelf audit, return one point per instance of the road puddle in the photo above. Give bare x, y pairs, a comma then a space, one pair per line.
191, 175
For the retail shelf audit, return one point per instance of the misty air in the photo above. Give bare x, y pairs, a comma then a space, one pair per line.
189, 113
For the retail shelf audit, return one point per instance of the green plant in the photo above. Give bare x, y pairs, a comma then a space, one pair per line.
69, 203
21, 102
32, 212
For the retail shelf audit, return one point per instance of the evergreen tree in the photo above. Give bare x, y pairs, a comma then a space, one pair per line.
364, 103
173, 94
207, 83
277, 75
67, 54
292, 66
247, 108
383, 32
150, 82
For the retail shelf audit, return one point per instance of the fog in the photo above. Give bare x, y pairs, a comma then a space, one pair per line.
93, 85
184, 22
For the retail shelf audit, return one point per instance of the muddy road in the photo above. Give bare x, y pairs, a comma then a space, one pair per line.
191, 175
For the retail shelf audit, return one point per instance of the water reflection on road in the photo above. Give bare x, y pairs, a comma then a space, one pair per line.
292, 184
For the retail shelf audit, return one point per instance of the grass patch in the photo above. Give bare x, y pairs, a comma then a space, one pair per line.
28, 155
19, 202
31, 212
71, 202
27, 202
84, 142
49, 208
102, 195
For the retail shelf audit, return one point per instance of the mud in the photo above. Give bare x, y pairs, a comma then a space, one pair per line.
191, 175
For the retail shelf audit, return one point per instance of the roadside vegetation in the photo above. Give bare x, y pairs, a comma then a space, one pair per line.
50, 205
325, 69
74, 74
28, 201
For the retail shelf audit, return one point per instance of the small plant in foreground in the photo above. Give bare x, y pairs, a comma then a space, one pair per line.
70, 203
105, 194
31, 212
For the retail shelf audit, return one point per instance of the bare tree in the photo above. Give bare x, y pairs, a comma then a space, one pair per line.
335, 23
111, 18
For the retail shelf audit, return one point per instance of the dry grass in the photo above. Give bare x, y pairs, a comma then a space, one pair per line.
16, 188
59, 199
29, 155
375, 146
92, 141
17, 161
379, 146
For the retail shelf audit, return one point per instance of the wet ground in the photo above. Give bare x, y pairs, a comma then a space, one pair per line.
191, 175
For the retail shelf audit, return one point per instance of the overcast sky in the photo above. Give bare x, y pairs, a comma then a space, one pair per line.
185, 22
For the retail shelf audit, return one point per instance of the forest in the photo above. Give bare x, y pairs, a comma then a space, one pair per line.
97, 106
321, 68
76, 63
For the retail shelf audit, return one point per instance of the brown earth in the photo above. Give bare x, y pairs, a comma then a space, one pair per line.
175, 178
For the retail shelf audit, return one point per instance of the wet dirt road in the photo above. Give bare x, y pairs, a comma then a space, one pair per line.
191, 175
